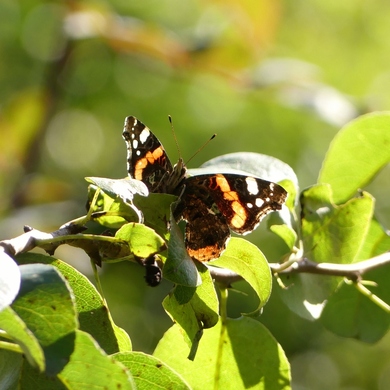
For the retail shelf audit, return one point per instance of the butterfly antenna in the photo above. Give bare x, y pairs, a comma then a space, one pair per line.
174, 135
177, 144
201, 148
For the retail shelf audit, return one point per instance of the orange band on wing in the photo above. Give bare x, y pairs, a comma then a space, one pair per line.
149, 159
240, 214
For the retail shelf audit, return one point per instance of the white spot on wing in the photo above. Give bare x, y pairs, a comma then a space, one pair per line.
135, 144
253, 188
144, 135
259, 202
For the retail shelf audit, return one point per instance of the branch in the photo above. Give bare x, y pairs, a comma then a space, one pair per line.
30, 239
353, 271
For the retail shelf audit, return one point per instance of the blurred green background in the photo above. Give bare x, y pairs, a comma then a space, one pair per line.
275, 77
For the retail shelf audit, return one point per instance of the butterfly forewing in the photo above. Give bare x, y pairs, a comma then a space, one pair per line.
147, 160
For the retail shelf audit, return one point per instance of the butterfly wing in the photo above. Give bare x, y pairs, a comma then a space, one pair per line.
211, 204
146, 157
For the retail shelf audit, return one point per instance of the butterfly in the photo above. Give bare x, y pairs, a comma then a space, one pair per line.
211, 204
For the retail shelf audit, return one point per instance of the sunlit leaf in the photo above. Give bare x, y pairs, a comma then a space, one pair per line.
241, 354
333, 233
142, 240
194, 309
9, 279
150, 373
356, 155
247, 260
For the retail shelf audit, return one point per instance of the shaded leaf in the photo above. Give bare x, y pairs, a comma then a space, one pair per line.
179, 268
305, 294
89, 367
10, 366
11, 323
156, 211
46, 304
94, 316
349, 313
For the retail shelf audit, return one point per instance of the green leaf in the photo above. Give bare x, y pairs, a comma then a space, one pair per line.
114, 210
356, 155
246, 259
156, 210
305, 294
94, 316
376, 242
334, 234
9, 279
122, 188
194, 309
143, 241
10, 367
150, 373
179, 268
88, 368
349, 313
11, 323
286, 233
46, 304
241, 354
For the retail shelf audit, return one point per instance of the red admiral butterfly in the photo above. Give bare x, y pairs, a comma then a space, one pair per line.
211, 204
